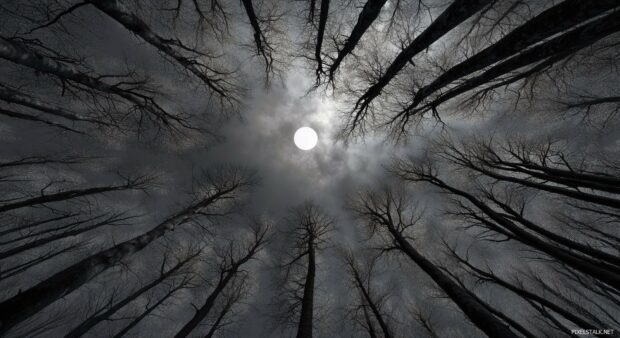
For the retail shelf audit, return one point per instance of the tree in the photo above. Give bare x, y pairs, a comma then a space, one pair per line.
564, 16
545, 54
455, 14
308, 237
126, 89
487, 276
232, 257
224, 186
388, 216
371, 303
367, 16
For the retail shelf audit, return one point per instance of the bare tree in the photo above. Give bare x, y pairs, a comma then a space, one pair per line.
455, 14
487, 276
564, 16
388, 215
361, 278
503, 224
126, 89
308, 237
138, 183
105, 312
224, 186
232, 257
367, 16
545, 54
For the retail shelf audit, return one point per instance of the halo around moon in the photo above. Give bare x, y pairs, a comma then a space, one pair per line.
305, 138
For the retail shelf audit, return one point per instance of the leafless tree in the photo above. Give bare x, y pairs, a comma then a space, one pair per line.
113, 306
389, 216
231, 258
371, 302
224, 186
308, 237
455, 14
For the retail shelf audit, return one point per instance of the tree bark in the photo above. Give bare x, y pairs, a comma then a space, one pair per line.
226, 275
42, 241
12, 96
578, 262
371, 303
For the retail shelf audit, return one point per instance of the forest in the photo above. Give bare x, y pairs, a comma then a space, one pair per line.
465, 183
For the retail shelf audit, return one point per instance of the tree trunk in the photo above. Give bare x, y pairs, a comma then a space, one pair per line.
95, 319
320, 35
475, 311
62, 196
25, 304
565, 44
578, 262
304, 329
529, 295
373, 307
12, 96
24, 56
225, 277
42, 241
144, 314
551, 21
369, 13
455, 14
32, 118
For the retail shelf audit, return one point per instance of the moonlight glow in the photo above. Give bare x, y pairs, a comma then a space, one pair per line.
305, 138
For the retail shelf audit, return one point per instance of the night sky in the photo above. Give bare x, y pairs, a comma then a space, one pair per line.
254, 135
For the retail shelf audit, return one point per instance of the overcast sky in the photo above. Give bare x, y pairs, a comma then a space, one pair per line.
260, 138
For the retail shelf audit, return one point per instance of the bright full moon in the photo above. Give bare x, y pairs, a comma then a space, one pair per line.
305, 138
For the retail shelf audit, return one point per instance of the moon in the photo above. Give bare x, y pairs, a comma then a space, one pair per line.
305, 138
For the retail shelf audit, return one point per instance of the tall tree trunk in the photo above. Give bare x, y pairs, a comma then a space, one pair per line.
226, 275
370, 327
320, 35
33, 118
25, 304
583, 196
144, 314
609, 261
565, 177
304, 328
369, 13
476, 312
455, 14
551, 21
359, 283
65, 195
